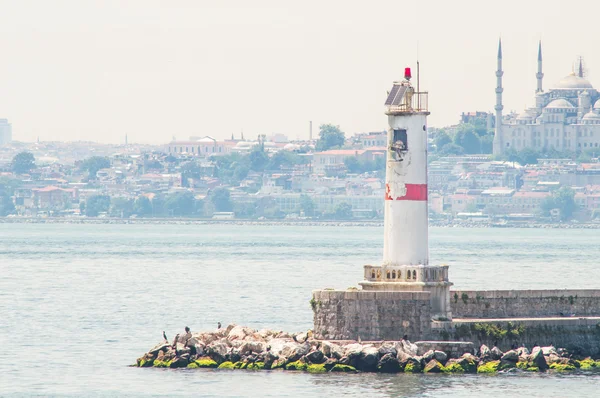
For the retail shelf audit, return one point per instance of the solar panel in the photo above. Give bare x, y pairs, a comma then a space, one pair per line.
392, 94
399, 95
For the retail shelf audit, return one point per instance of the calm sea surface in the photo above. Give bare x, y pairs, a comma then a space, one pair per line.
78, 303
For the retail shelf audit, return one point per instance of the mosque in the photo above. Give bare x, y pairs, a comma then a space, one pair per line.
565, 117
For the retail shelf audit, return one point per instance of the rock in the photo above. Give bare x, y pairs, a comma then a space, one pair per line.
301, 337
549, 350
522, 351
388, 364
428, 356
537, 358
496, 353
160, 347
460, 365
279, 363
368, 359
294, 351
182, 349
386, 349
217, 351
239, 333
433, 366
485, 353
440, 356
344, 361
256, 347
269, 359
229, 328
511, 356
179, 362
330, 363
331, 350
315, 357
409, 348
353, 350
411, 365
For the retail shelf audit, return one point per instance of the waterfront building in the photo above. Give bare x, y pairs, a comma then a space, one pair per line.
565, 117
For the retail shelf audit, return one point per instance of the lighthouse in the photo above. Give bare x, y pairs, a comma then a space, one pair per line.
405, 265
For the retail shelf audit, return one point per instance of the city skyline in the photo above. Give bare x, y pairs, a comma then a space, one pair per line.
102, 70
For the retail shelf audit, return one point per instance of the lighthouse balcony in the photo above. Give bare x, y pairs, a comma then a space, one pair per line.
406, 273
411, 102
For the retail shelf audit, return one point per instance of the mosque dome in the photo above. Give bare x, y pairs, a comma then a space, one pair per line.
573, 82
524, 116
597, 104
560, 103
591, 116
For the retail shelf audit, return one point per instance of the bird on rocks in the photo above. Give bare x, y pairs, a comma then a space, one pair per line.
218, 325
165, 336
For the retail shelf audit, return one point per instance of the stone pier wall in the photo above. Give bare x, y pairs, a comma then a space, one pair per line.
370, 315
524, 303
578, 335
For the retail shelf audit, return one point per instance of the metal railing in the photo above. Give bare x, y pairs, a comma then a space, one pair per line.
412, 102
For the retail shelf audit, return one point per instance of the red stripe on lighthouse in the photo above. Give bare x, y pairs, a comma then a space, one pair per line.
413, 192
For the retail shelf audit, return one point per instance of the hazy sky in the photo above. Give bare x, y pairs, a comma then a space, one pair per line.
97, 70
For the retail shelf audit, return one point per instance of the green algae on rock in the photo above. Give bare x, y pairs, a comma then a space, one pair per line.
256, 366
161, 364
317, 368
412, 368
297, 365
206, 362
489, 367
226, 365
561, 367
343, 368
453, 368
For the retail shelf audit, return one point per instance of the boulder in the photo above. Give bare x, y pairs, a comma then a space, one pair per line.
411, 365
217, 351
344, 361
269, 359
315, 357
496, 353
301, 337
522, 351
537, 359
239, 333
294, 351
433, 366
485, 353
180, 362
160, 347
279, 363
368, 359
330, 363
256, 347
409, 348
353, 350
511, 356
388, 364
440, 356
428, 356
461, 365
387, 348
549, 350
331, 350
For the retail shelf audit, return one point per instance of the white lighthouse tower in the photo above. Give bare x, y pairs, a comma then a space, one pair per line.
405, 265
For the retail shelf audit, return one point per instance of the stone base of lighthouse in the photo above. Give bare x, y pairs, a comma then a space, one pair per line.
394, 301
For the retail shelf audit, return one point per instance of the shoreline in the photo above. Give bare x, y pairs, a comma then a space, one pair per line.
301, 223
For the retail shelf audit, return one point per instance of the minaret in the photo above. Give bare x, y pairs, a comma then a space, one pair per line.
405, 265
539, 75
580, 71
498, 142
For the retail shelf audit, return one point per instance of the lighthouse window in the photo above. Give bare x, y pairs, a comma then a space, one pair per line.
400, 140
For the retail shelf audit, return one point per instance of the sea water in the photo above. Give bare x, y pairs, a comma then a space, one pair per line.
80, 302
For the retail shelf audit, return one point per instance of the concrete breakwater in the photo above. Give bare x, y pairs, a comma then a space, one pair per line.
238, 347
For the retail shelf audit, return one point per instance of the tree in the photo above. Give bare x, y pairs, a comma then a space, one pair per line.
487, 143
528, 156
353, 164
97, 204
142, 206
307, 205
220, 198
468, 140
23, 163
6, 206
562, 199
93, 164
452, 149
343, 211
181, 204
240, 172
330, 136
442, 139
258, 159
121, 207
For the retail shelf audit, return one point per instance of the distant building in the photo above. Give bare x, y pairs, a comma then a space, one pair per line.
5, 132
565, 117
205, 146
